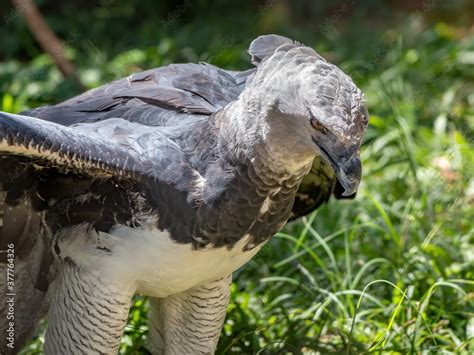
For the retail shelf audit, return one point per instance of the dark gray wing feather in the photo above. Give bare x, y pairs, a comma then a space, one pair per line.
70, 149
158, 97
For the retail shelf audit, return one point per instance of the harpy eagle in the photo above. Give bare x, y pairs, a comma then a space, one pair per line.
163, 183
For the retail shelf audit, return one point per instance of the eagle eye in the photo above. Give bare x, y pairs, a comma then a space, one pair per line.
315, 123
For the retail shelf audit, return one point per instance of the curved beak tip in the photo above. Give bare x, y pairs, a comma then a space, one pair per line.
349, 191
349, 175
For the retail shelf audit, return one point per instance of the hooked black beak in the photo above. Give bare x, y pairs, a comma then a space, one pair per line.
349, 174
348, 171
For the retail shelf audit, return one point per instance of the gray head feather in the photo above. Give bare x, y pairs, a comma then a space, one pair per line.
265, 46
315, 103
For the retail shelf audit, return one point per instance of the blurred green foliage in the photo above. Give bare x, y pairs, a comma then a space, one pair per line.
391, 271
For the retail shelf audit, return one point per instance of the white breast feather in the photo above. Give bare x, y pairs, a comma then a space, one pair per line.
150, 258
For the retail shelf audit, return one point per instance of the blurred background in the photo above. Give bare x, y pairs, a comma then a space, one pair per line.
391, 271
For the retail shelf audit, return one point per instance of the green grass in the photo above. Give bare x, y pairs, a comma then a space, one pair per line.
391, 271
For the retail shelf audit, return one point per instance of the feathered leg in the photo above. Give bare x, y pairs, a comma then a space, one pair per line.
189, 322
87, 314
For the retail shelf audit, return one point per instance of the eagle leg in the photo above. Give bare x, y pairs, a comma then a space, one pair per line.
189, 322
87, 314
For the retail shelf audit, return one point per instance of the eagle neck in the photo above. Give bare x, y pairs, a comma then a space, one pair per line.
246, 177
251, 133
